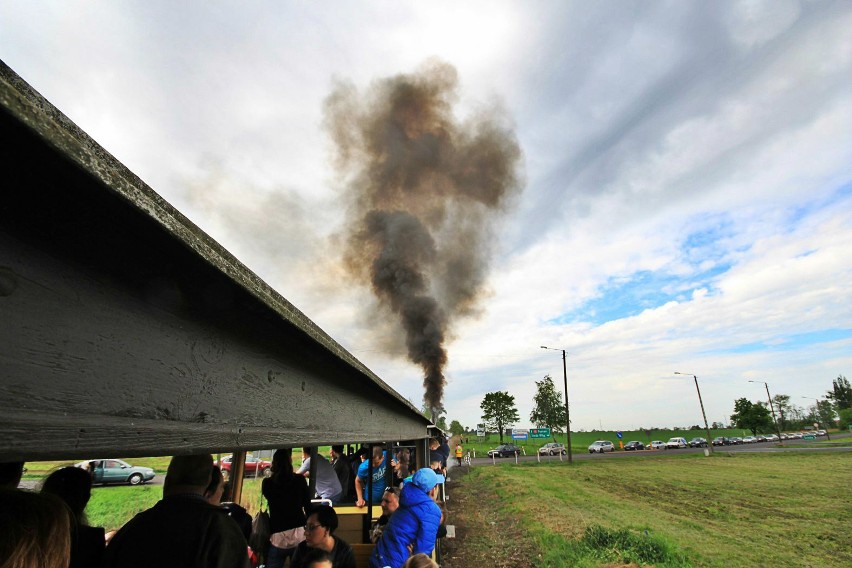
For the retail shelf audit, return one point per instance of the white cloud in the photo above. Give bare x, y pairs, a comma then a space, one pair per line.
640, 128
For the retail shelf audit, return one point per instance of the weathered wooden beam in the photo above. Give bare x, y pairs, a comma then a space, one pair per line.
125, 329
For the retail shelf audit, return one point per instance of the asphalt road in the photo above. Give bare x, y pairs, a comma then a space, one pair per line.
788, 446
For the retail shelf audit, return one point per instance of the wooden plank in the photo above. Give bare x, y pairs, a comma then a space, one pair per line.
127, 329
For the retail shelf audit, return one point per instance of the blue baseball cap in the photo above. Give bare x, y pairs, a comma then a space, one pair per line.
425, 479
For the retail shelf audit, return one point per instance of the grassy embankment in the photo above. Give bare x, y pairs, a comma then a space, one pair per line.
686, 510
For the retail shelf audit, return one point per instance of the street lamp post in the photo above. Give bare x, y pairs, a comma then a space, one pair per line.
567, 411
827, 435
771, 407
703, 414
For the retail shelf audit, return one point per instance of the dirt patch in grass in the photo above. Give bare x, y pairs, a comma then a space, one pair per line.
483, 536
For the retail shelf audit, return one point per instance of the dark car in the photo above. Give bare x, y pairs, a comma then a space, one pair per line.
504, 451
633, 446
721, 441
698, 443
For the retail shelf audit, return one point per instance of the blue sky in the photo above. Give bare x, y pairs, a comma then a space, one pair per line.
687, 199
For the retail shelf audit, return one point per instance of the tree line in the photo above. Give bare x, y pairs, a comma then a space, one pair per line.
499, 411
835, 409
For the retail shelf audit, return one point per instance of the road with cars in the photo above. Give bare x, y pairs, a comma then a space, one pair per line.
787, 446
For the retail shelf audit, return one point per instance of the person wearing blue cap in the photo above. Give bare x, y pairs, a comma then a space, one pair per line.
413, 528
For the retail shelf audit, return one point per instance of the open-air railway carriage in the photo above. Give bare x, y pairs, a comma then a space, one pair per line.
126, 330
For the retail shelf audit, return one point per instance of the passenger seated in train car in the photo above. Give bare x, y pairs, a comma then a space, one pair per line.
327, 483
35, 529
420, 561
436, 454
319, 533
182, 529
10, 474
445, 449
401, 466
378, 480
74, 486
218, 493
316, 558
390, 503
342, 468
289, 501
413, 528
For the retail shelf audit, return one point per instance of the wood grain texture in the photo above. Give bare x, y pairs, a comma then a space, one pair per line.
125, 329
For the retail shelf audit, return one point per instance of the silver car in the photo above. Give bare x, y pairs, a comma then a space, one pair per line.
551, 449
601, 446
104, 471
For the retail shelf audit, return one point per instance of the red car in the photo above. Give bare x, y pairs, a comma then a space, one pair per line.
254, 467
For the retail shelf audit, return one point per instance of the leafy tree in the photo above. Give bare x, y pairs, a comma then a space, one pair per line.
441, 421
754, 417
826, 413
840, 393
783, 408
456, 428
845, 418
549, 410
499, 411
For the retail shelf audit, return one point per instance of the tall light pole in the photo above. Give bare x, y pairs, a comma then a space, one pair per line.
771, 407
701, 402
567, 412
827, 435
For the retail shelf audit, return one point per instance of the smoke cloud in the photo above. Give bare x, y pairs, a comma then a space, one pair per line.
424, 191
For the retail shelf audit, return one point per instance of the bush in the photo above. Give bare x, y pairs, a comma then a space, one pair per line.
845, 418
602, 545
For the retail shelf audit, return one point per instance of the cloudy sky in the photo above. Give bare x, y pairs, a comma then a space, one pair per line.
687, 177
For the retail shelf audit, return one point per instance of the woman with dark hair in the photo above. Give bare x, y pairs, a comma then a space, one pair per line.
319, 533
35, 530
74, 486
288, 497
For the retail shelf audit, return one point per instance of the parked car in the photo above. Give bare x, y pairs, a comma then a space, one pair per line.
106, 471
504, 451
749, 440
772, 437
760, 438
736, 440
601, 446
633, 446
254, 466
721, 441
552, 449
698, 443
658, 445
675, 443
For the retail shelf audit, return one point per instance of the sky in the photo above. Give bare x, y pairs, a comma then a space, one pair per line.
686, 178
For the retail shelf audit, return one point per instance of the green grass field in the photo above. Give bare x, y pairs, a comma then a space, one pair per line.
689, 510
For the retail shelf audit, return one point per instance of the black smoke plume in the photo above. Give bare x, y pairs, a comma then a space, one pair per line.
423, 190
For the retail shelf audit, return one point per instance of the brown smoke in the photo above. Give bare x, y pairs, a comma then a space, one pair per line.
424, 190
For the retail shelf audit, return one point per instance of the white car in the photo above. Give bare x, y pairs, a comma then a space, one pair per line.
675, 443
601, 446
658, 445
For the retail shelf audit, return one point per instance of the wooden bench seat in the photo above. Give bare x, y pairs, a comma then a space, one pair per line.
362, 554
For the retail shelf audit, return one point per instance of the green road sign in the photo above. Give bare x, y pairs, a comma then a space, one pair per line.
539, 432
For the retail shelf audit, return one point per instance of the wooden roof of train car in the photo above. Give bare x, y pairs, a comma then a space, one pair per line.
125, 328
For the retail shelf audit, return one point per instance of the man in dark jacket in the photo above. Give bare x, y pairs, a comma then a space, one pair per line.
183, 529
413, 528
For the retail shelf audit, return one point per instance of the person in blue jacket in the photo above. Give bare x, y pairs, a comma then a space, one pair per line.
413, 528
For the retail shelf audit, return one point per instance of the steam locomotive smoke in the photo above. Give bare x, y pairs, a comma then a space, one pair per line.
424, 190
